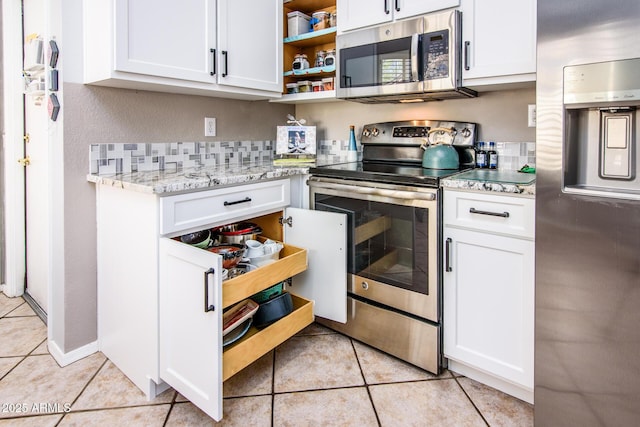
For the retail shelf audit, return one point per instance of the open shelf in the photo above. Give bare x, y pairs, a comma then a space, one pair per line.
312, 38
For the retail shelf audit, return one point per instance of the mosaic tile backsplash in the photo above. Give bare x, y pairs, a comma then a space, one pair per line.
107, 159
175, 156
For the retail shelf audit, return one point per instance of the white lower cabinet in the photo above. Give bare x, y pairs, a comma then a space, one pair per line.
178, 301
489, 289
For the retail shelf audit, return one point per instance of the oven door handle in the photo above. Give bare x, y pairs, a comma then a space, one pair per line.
394, 194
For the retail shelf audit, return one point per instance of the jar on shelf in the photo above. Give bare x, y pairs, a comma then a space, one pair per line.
320, 20
300, 62
333, 19
317, 86
292, 87
320, 58
330, 58
304, 86
327, 83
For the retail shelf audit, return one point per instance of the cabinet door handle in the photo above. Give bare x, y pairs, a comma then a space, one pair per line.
207, 307
213, 62
466, 55
226, 63
245, 200
386, 7
397, 5
500, 214
447, 255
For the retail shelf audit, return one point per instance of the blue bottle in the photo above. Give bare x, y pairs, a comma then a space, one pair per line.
352, 153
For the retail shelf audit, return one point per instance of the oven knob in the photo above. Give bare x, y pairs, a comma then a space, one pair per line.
365, 285
375, 132
466, 132
366, 132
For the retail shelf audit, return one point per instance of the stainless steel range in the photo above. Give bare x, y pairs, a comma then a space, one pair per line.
393, 207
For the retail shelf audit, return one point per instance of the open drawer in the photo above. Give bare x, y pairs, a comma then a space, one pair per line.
193, 296
258, 342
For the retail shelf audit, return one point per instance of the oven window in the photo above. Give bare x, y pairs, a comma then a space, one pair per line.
376, 64
386, 242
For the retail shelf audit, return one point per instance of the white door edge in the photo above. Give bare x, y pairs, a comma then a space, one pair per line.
14, 208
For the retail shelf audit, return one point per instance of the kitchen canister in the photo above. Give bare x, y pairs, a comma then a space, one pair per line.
330, 58
320, 58
320, 20
300, 62
292, 87
304, 86
317, 86
327, 83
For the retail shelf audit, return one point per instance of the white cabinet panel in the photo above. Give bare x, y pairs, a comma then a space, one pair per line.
500, 41
191, 324
489, 303
362, 13
247, 54
324, 235
191, 210
145, 45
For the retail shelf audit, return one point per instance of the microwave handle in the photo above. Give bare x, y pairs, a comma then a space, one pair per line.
415, 38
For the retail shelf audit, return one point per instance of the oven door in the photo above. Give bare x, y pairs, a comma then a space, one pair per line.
380, 61
392, 236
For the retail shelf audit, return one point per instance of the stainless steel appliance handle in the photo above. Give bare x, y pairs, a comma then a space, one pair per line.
447, 254
394, 194
500, 214
466, 55
213, 62
207, 307
414, 57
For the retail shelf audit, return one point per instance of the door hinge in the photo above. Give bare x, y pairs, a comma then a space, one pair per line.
25, 161
26, 138
288, 221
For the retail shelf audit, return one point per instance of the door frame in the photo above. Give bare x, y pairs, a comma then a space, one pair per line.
13, 107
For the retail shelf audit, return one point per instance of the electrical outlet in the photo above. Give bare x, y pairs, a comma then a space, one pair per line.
209, 126
531, 117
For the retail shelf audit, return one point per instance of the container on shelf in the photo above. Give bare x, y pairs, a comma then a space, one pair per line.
327, 83
304, 86
330, 58
333, 19
317, 86
320, 20
300, 62
298, 23
320, 58
292, 87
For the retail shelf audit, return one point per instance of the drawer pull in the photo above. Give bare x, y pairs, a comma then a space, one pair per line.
207, 307
500, 214
245, 200
447, 253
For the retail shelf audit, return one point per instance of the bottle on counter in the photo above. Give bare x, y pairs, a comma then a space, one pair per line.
481, 156
352, 150
492, 156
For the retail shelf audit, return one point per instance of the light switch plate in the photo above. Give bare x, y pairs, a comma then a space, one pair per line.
531, 117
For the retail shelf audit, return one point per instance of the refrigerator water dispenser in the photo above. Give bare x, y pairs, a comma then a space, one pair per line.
600, 153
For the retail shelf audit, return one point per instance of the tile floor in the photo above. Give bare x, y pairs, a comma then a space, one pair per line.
317, 378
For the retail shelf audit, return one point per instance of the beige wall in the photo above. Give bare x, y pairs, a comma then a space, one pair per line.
502, 115
95, 115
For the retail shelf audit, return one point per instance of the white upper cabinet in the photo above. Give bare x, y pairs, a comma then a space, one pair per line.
250, 44
499, 41
196, 46
362, 13
167, 39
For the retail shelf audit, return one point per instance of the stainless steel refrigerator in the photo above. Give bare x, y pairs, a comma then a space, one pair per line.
587, 348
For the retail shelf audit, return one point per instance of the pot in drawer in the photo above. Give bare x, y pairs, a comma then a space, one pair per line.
273, 309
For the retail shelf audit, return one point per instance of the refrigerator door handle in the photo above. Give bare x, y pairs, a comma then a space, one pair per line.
479, 212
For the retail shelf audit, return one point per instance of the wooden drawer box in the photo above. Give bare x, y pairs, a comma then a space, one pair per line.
257, 343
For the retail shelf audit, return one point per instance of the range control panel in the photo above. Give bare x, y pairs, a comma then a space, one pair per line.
416, 132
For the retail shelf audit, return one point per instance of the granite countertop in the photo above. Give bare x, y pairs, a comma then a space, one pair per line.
501, 181
189, 179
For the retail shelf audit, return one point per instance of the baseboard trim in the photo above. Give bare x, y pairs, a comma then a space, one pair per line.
65, 359
514, 390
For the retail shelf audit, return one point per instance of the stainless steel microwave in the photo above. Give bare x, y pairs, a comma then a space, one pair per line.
409, 60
